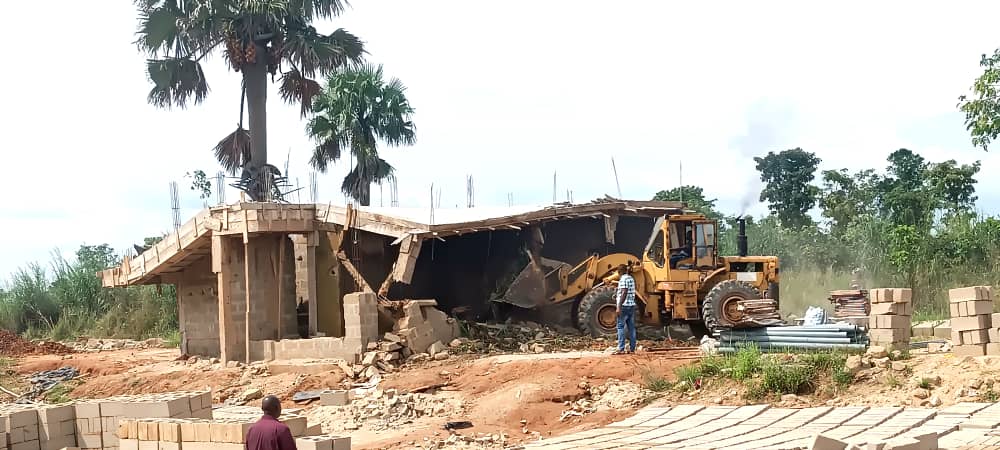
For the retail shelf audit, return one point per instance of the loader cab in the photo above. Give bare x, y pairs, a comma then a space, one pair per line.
684, 242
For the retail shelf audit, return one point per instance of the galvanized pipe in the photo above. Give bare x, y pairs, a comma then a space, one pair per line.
831, 334
800, 346
790, 339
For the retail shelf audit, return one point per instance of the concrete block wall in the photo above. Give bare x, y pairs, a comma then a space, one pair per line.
361, 317
889, 322
198, 307
971, 321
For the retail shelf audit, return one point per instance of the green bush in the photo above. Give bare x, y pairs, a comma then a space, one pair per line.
69, 301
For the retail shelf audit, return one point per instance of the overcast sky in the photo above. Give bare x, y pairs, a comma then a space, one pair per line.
508, 92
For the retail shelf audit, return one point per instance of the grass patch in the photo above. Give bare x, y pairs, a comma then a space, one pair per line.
989, 395
59, 393
892, 381
925, 383
172, 339
657, 383
771, 374
899, 355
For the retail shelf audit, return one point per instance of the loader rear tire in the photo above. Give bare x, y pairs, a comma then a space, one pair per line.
720, 297
596, 314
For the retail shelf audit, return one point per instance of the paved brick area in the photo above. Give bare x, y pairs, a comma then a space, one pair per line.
696, 427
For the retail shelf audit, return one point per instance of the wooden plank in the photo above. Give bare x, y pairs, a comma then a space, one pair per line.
349, 266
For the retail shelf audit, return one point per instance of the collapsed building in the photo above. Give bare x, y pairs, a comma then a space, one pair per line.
291, 271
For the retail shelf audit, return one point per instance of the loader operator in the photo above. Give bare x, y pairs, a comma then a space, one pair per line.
625, 309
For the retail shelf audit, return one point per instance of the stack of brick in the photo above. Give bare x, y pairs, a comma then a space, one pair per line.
216, 434
971, 322
889, 322
97, 421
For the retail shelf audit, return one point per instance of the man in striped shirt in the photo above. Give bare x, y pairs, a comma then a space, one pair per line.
625, 308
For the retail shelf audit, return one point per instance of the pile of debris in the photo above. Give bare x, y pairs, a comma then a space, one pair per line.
457, 440
85, 344
383, 410
42, 382
612, 395
526, 337
13, 345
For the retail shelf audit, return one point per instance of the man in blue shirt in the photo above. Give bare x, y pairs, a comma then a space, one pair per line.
625, 308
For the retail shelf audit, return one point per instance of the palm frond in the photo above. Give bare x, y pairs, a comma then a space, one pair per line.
158, 28
233, 151
325, 153
314, 53
296, 88
175, 82
312, 9
368, 169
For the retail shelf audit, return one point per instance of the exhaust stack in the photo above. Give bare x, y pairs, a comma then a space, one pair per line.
741, 236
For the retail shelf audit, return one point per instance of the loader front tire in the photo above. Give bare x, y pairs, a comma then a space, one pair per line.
596, 314
721, 297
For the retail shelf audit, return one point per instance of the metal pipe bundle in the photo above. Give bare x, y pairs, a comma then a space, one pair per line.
828, 336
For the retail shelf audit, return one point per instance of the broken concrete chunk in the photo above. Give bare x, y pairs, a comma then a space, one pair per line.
435, 348
877, 351
441, 356
392, 338
369, 358
389, 346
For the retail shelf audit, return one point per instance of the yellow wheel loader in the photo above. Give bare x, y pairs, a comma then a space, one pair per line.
680, 280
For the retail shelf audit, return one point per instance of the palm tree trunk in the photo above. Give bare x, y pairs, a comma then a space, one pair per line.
255, 78
366, 194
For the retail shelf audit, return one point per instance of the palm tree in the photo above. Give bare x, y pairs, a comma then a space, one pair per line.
257, 37
356, 110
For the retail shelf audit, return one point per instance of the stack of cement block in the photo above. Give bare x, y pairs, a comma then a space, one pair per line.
889, 322
56, 427
971, 321
216, 434
20, 428
97, 421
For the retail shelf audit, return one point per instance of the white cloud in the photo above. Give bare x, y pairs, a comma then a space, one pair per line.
508, 92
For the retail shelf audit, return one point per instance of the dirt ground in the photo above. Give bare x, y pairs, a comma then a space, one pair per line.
507, 394
522, 396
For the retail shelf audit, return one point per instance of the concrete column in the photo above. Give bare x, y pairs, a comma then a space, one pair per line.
227, 264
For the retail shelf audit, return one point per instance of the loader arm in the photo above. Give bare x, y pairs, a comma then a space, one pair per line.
589, 273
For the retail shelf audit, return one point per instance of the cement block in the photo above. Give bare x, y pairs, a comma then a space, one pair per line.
231, 433
889, 335
969, 350
149, 445
892, 321
993, 348
128, 444
899, 309
976, 308
296, 424
212, 446
30, 445
880, 295
55, 413
979, 322
956, 309
975, 337
943, 330
902, 295
971, 293
335, 398
23, 418
163, 445
994, 334
925, 329
170, 431
90, 440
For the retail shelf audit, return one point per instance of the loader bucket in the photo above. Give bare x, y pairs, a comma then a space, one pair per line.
535, 284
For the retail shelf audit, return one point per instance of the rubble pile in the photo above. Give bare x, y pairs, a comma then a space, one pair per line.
383, 410
13, 345
612, 395
85, 344
526, 337
458, 440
